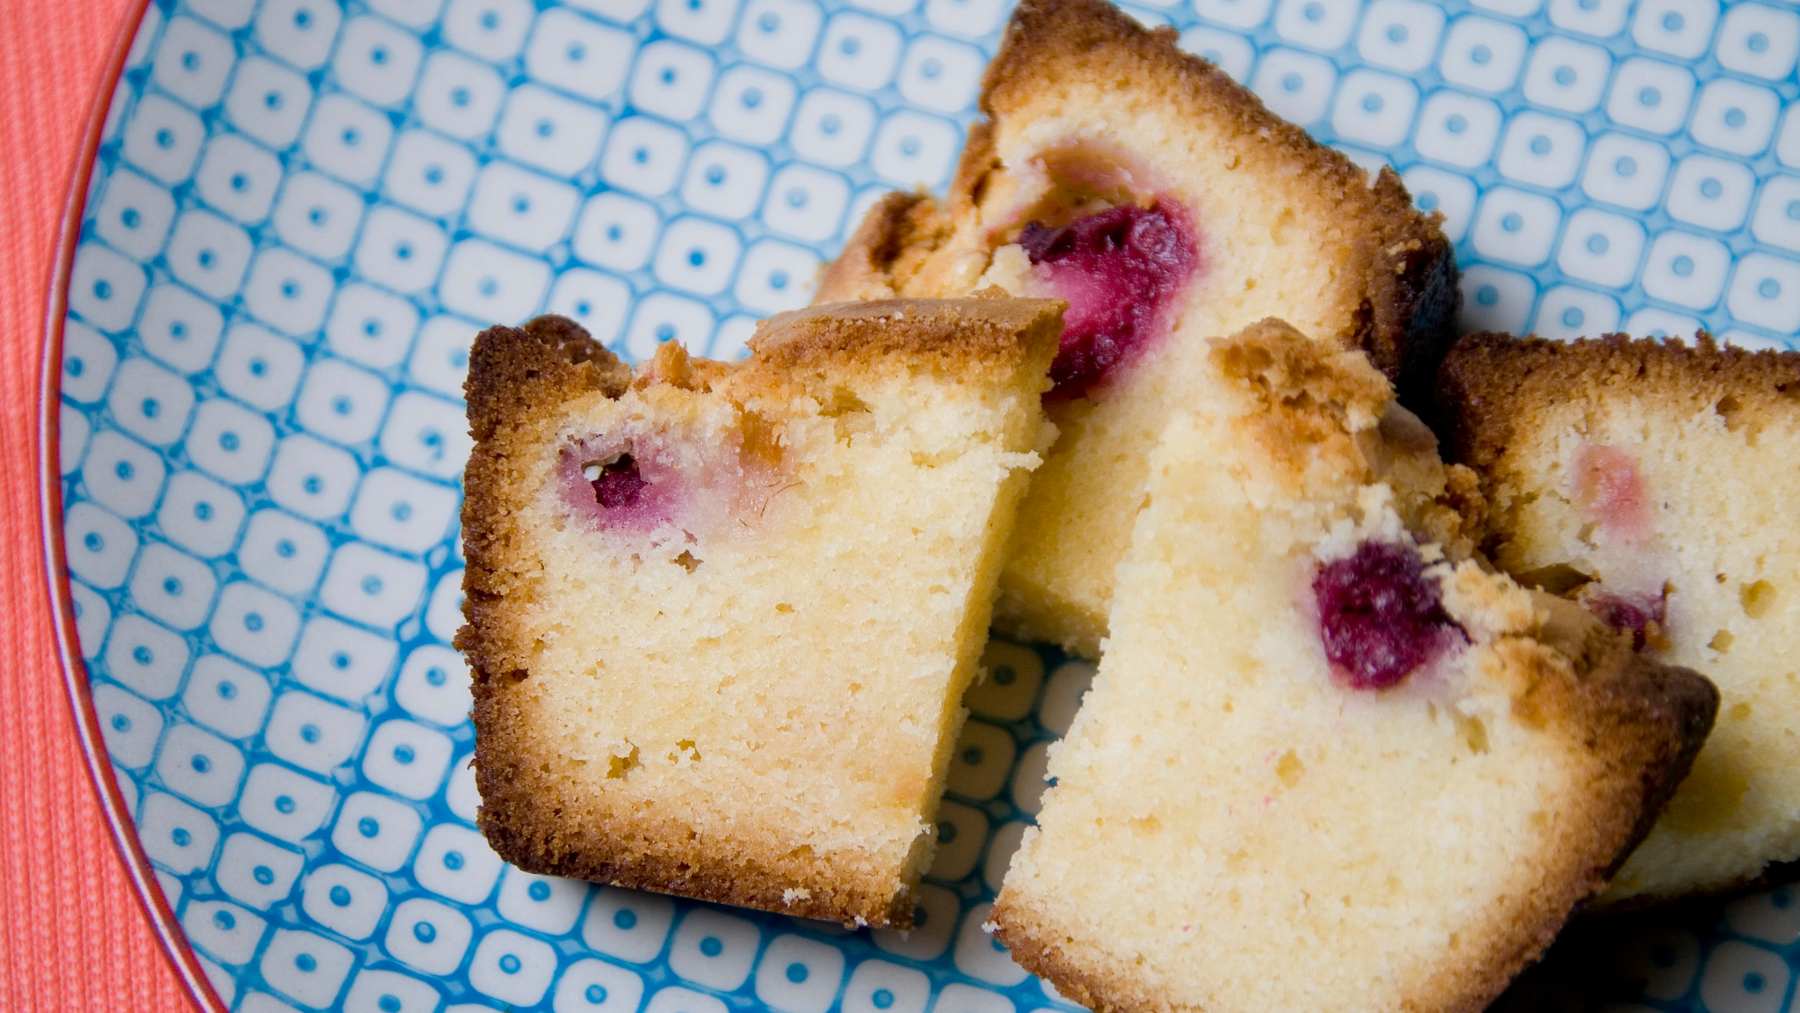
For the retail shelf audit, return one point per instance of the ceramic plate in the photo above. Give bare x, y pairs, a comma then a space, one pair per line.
299, 213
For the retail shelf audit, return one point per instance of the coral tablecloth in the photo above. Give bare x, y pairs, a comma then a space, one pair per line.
72, 933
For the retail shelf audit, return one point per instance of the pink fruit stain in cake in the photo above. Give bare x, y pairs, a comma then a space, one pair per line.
669, 482
620, 484
1609, 490
1118, 270
1643, 616
1380, 617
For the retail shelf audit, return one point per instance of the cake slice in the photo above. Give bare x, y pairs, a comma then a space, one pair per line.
1167, 206
720, 618
1323, 732
1656, 483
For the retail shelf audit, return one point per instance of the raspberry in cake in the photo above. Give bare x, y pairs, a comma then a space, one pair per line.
1381, 617
720, 618
1322, 728
1167, 206
1656, 481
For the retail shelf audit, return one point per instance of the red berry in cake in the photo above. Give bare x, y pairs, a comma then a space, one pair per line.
1118, 270
618, 484
1609, 490
1380, 617
1643, 616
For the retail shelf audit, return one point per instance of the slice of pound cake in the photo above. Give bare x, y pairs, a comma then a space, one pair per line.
1656, 483
1167, 206
1323, 737
720, 618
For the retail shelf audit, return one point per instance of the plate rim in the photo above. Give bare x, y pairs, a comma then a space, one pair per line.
163, 921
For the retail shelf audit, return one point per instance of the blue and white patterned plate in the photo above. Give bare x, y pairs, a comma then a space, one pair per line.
300, 211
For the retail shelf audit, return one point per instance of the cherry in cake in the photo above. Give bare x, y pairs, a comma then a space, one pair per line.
1381, 615
1641, 615
618, 483
1118, 269
663, 483
1606, 486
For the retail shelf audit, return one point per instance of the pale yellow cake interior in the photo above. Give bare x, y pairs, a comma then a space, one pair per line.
1721, 489
784, 681
1223, 806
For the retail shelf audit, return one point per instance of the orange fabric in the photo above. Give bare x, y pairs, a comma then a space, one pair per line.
73, 934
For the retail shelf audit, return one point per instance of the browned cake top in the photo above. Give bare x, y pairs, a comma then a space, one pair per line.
1409, 270
1491, 384
953, 335
1051, 42
1402, 269
510, 363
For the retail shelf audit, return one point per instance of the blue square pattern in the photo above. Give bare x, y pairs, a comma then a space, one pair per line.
303, 210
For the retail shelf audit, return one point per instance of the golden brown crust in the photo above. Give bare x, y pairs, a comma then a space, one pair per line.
897, 224
1310, 411
672, 366
550, 354
1102, 990
548, 360
1491, 384
831, 900
1303, 401
883, 256
1640, 724
1659, 715
1404, 266
640, 851
948, 336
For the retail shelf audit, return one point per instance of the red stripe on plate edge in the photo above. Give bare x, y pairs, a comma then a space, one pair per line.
62, 609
